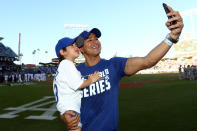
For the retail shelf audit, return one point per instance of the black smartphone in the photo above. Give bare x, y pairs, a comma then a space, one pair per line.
165, 6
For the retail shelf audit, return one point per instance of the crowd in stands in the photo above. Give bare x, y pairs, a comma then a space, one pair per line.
167, 66
50, 70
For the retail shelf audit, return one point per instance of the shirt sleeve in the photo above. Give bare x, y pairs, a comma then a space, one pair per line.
119, 64
72, 75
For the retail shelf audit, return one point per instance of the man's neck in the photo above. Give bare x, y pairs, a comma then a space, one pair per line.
92, 60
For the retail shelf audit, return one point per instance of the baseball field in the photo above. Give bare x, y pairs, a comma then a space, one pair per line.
151, 102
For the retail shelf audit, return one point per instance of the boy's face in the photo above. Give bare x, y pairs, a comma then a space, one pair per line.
71, 52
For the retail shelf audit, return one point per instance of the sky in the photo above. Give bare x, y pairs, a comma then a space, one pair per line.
128, 27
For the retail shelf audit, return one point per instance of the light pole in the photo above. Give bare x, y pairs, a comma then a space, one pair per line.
38, 55
19, 47
46, 52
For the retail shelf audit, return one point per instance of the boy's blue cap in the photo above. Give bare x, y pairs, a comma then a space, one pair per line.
85, 34
64, 42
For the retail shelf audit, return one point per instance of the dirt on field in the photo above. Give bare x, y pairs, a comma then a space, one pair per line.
139, 84
131, 85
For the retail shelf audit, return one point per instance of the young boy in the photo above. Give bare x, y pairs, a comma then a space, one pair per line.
67, 82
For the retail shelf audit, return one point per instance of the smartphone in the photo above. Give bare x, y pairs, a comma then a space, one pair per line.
165, 6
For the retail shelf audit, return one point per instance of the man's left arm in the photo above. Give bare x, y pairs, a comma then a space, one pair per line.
135, 64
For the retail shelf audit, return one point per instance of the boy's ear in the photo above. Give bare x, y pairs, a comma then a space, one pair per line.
61, 52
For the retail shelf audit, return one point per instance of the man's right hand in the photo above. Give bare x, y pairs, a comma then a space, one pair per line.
71, 122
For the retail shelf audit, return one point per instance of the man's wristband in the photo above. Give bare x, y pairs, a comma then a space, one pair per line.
168, 42
171, 39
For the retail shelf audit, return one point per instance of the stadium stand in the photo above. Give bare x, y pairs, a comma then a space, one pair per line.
185, 54
7, 58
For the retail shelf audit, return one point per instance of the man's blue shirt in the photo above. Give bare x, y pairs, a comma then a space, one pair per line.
99, 104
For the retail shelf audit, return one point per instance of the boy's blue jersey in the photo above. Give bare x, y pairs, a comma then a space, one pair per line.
99, 104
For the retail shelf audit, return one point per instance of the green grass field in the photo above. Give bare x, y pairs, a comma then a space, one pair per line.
163, 103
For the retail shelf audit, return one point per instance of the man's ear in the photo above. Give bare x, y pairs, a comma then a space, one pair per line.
81, 50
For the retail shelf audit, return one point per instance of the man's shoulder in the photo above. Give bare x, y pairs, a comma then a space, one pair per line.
80, 65
115, 59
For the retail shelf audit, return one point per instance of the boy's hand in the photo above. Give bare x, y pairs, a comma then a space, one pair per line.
94, 77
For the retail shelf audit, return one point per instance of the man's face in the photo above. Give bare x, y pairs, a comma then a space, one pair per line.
92, 46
